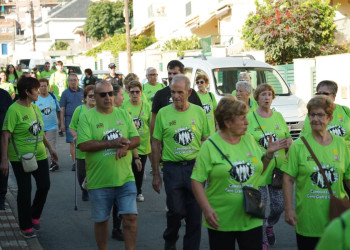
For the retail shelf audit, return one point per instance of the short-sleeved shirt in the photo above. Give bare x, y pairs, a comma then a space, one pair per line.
46, 74
209, 105
22, 123
336, 235
278, 129
49, 107
141, 116
181, 132
89, 81
163, 98
59, 82
310, 191
74, 125
8, 87
150, 90
224, 190
5, 102
12, 79
340, 125
70, 100
102, 168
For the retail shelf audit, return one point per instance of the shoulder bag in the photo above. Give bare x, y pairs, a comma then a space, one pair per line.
252, 202
28, 160
336, 206
277, 174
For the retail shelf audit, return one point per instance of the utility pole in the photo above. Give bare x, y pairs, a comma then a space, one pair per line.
14, 35
32, 20
127, 31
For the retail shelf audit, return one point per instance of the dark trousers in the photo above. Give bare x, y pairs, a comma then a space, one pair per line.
306, 243
26, 210
181, 204
81, 174
139, 174
3, 187
247, 240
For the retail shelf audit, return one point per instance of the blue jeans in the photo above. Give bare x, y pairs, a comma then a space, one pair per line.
181, 204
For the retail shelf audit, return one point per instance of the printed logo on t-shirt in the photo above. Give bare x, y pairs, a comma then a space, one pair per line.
207, 108
111, 134
242, 171
35, 128
183, 136
337, 130
138, 122
24, 118
264, 141
46, 111
170, 100
317, 178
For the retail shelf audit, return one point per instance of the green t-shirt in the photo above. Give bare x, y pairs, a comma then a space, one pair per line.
19, 73
336, 237
275, 126
8, 87
310, 191
224, 191
150, 90
59, 82
141, 116
23, 125
12, 79
74, 125
340, 125
45, 74
102, 169
209, 105
181, 132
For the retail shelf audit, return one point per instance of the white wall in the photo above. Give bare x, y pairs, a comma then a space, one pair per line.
303, 78
64, 29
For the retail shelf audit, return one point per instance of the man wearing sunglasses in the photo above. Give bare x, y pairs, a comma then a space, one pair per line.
108, 135
46, 73
71, 98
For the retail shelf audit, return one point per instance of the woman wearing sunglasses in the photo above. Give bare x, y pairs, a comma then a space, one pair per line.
208, 100
90, 102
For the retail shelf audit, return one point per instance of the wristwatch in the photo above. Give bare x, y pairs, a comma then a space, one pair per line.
137, 158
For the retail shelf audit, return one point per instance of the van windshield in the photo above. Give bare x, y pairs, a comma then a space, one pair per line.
226, 79
25, 63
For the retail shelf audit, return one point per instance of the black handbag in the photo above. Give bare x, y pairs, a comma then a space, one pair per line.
277, 174
252, 202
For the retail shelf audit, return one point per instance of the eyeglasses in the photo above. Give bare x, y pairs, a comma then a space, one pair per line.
91, 96
104, 94
152, 74
323, 93
47, 66
200, 82
318, 115
135, 92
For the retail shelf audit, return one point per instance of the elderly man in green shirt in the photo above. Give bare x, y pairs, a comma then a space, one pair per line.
152, 86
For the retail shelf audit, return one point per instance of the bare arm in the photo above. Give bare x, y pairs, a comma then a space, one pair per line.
273, 146
62, 114
288, 182
133, 143
74, 133
157, 180
153, 121
4, 166
58, 113
93, 145
209, 213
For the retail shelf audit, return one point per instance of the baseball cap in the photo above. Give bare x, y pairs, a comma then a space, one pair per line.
111, 65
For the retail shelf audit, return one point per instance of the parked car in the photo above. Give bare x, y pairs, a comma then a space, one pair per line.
223, 74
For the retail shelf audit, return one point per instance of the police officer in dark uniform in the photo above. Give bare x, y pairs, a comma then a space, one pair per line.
113, 78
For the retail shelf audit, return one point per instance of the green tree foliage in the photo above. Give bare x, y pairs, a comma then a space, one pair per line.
182, 44
59, 46
118, 43
291, 29
105, 19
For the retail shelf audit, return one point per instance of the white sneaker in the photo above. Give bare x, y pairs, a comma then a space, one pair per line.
140, 198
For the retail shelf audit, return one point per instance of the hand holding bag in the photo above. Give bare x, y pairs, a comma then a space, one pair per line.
252, 202
336, 206
28, 160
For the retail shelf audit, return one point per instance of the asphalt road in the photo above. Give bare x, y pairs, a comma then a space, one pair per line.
62, 227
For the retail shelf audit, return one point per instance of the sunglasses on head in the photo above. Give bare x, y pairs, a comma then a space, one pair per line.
200, 82
104, 94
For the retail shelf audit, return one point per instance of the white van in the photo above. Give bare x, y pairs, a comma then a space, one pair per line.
223, 75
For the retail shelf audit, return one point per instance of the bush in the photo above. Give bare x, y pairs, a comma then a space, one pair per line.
182, 44
59, 46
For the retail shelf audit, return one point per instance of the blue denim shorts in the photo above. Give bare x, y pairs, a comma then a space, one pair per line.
102, 200
69, 137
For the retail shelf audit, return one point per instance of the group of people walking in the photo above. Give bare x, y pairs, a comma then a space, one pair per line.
208, 151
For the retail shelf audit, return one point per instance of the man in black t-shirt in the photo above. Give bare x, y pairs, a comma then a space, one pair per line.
5, 102
163, 97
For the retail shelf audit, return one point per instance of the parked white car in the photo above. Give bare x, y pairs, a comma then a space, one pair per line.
223, 75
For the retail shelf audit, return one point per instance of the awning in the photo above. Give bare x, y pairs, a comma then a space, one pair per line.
138, 31
223, 11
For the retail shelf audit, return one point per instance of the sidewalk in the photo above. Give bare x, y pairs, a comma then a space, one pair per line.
10, 237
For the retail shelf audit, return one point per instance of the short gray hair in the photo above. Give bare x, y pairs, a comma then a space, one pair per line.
247, 86
181, 77
243, 76
73, 74
149, 69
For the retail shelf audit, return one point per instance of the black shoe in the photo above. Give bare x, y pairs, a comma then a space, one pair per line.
73, 167
53, 166
60, 133
169, 245
118, 234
